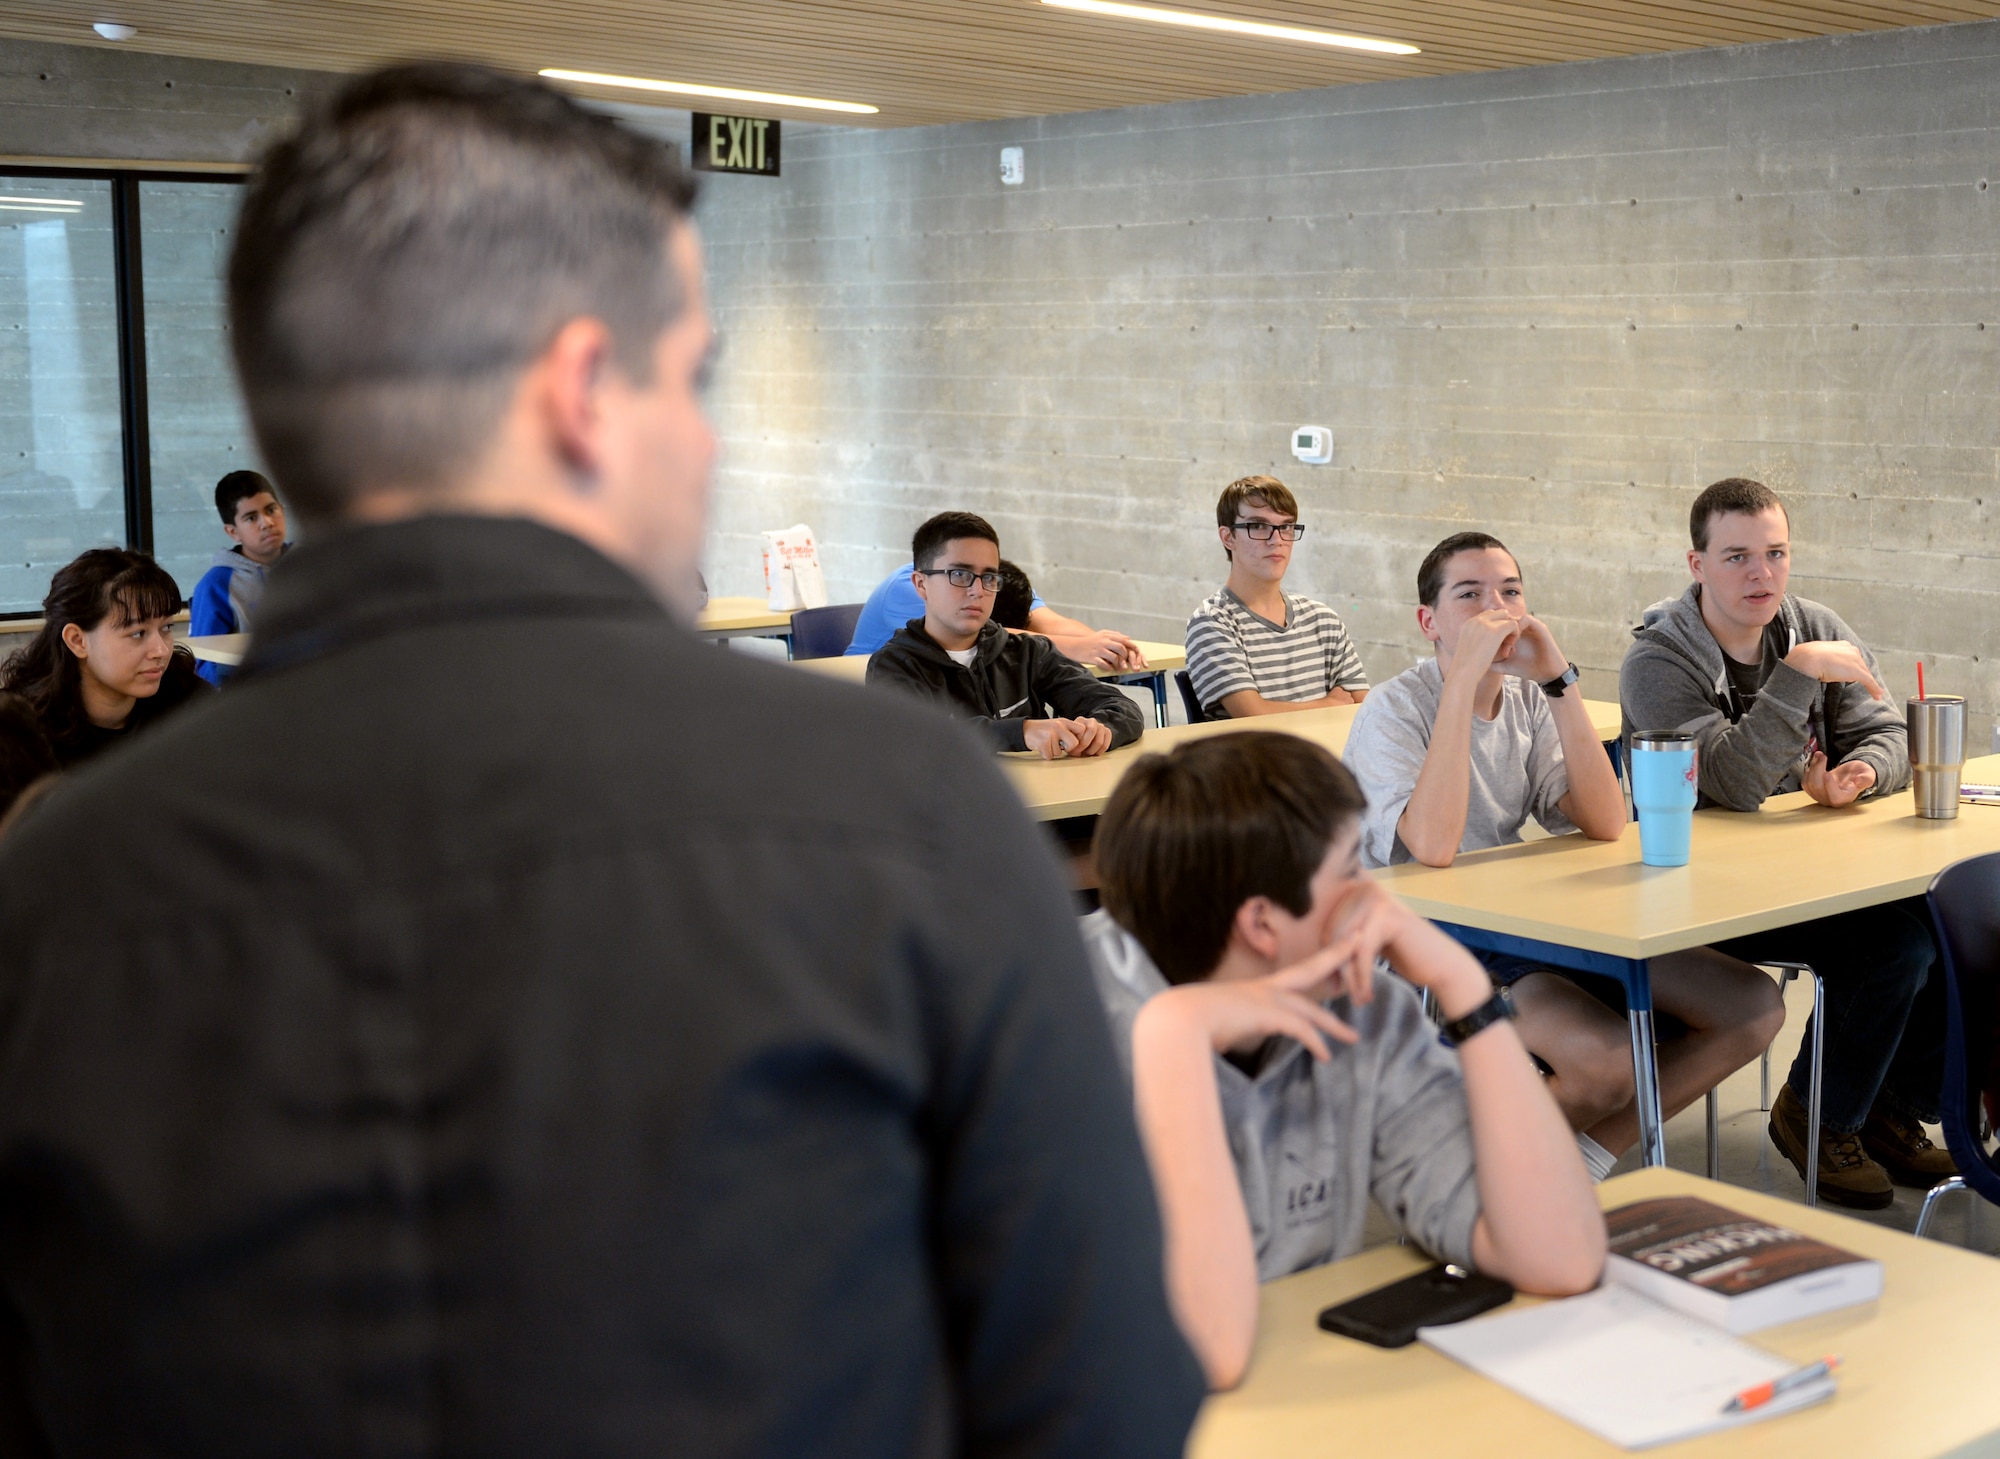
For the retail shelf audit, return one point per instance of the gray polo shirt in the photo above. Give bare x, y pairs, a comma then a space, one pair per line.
1517, 766
1312, 1142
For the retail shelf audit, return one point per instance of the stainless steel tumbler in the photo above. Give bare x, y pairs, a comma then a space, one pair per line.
1937, 753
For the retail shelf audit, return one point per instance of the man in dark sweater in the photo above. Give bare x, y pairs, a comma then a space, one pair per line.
1016, 687
1782, 696
585, 1042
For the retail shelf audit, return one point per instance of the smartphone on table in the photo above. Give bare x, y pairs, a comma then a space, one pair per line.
1390, 1316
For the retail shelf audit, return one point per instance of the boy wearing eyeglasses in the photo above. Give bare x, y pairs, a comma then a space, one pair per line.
1017, 687
1253, 648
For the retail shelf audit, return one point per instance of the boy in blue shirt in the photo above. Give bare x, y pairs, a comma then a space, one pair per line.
226, 598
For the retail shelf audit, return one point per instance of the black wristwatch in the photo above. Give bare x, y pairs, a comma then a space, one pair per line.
1492, 1011
1554, 687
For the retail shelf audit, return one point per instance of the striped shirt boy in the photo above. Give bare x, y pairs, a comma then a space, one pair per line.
1231, 648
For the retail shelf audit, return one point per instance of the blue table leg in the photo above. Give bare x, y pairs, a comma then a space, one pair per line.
1160, 699
1634, 975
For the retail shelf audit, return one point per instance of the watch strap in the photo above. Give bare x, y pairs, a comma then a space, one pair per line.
1494, 1010
1554, 687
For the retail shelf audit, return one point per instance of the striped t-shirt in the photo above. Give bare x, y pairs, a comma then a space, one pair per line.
1230, 648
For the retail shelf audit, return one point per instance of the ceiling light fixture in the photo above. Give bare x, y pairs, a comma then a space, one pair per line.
44, 202
720, 93
1239, 27
111, 30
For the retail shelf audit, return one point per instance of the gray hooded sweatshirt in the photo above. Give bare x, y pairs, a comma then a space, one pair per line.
1674, 678
1312, 1142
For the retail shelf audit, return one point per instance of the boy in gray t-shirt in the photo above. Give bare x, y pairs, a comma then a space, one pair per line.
1456, 754
1279, 1082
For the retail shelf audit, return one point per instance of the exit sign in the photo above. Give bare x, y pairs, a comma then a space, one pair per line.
735, 144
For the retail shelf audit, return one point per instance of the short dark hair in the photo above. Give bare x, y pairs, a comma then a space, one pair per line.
1430, 574
1731, 494
238, 487
1188, 837
930, 539
413, 245
1265, 491
1016, 598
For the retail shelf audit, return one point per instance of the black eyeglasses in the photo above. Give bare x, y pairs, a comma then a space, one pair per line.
964, 577
1264, 531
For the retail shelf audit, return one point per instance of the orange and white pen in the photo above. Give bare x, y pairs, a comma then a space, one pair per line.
1763, 1393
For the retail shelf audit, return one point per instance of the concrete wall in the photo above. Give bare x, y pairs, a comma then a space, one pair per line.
1550, 303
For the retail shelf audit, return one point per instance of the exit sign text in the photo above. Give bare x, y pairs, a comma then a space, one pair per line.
735, 144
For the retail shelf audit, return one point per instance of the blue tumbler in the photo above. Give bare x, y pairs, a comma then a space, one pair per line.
1663, 791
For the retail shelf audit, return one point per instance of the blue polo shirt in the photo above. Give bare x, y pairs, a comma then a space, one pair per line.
894, 603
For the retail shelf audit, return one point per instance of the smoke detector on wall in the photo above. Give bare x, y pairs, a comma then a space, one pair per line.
111, 30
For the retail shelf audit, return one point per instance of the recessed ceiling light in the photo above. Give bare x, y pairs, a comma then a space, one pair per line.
1240, 27
720, 93
111, 30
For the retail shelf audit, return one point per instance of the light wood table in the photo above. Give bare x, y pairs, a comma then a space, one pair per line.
725, 618
1053, 789
220, 648
1591, 906
1917, 1379
1161, 660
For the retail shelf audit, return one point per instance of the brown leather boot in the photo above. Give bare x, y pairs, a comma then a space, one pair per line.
1905, 1151
1847, 1177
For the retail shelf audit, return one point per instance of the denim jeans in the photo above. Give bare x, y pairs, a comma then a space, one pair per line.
1884, 1009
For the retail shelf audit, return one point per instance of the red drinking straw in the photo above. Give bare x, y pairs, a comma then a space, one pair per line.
1920, 678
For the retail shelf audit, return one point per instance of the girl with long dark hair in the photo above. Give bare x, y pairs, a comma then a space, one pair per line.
104, 664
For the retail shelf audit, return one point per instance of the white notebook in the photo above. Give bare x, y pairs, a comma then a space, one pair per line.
1622, 1366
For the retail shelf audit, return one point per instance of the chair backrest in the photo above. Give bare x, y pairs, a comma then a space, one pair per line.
824, 633
1196, 714
1965, 908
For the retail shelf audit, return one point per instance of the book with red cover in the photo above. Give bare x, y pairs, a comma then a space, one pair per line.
1742, 1273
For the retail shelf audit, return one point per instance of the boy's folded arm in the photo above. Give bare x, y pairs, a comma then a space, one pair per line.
1211, 1254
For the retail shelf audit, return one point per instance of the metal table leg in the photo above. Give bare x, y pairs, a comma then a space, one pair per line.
1635, 975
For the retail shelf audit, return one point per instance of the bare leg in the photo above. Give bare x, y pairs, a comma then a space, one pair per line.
1732, 1012
1584, 1042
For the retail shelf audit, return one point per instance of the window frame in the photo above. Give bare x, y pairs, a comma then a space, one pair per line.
129, 295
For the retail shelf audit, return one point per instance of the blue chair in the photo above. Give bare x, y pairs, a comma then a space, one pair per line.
1195, 713
824, 633
1965, 910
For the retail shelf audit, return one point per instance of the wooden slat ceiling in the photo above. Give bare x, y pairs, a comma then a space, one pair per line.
924, 61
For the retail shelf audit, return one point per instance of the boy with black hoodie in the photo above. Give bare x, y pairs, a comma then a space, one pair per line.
1782, 696
1015, 686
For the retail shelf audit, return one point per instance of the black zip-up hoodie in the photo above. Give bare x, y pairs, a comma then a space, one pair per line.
1015, 677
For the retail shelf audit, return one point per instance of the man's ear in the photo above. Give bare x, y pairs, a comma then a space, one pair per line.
1427, 622
569, 378
74, 640
1694, 565
1252, 927
229, 531
922, 584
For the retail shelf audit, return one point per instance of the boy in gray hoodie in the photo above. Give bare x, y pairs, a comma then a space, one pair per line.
1278, 1079
1782, 696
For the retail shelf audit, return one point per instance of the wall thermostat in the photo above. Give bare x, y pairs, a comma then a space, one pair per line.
1013, 168
1313, 445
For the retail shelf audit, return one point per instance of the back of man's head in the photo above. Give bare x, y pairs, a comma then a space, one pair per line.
412, 247
235, 489
1731, 494
1016, 598
929, 540
1187, 838
1430, 573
